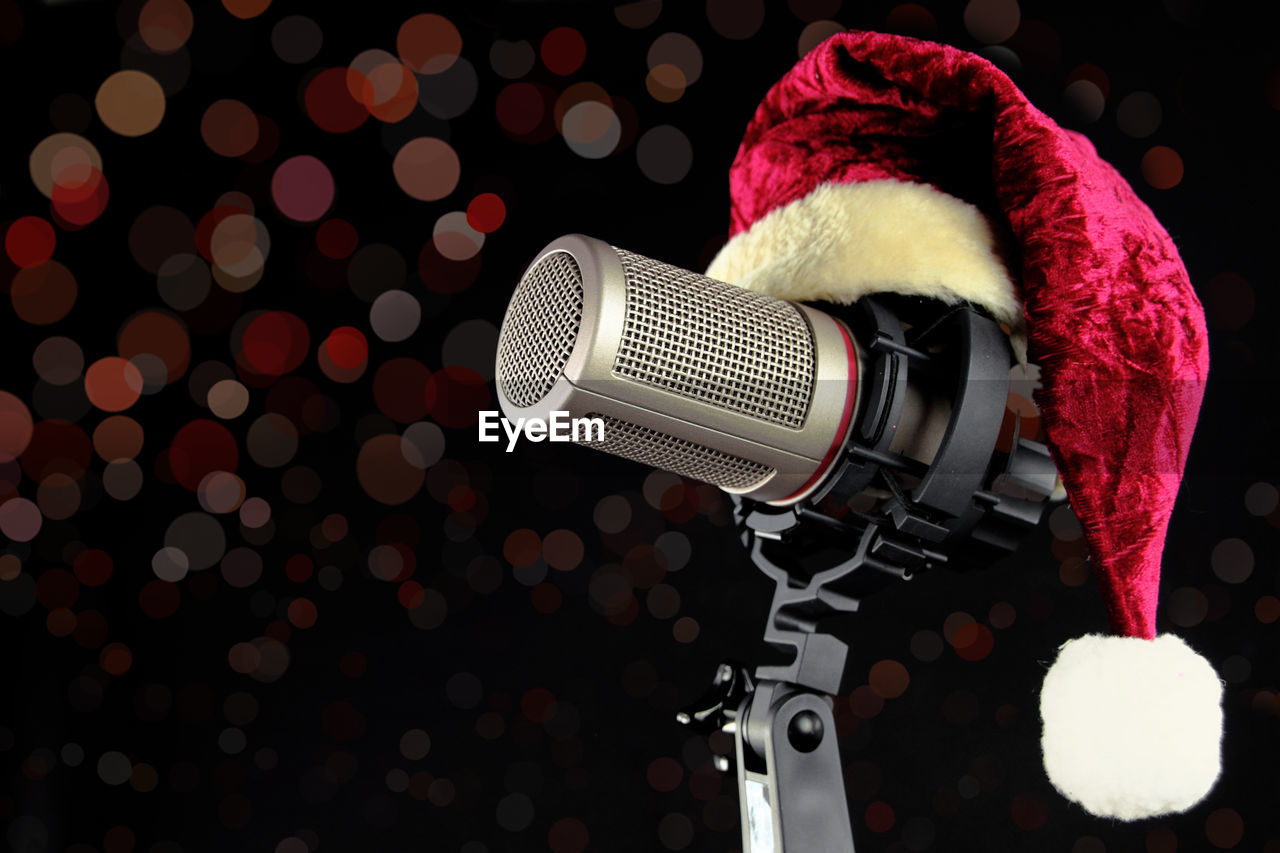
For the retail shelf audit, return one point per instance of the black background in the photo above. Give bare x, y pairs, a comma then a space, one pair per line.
955, 756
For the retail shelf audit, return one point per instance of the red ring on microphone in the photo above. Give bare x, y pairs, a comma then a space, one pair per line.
850, 401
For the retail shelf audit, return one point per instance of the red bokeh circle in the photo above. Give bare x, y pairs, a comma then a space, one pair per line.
486, 212
30, 241
329, 103
274, 343
200, 448
347, 347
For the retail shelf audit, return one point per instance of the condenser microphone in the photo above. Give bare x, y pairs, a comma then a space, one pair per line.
702, 378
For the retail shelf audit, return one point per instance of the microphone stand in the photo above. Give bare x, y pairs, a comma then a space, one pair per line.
790, 779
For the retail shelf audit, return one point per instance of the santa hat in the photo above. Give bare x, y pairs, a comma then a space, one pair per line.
888, 164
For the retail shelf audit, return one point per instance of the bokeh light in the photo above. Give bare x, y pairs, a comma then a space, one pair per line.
296, 39
302, 188
170, 564
736, 19
638, 14
450, 93
44, 294
246, 9
228, 399
385, 87
665, 154
347, 347
329, 103
337, 238
520, 108
157, 334
58, 497
20, 519
422, 444
1224, 828
511, 59
201, 447
591, 129
159, 233
1086, 100
666, 83
113, 384
454, 237
62, 158
679, 50
472, 344
58, 360
29, 241
428, 43
238, 245
563, 50
384, 473
240, 567
486, 213
130, 103
1232, 560
118, 437
889, 678
165, 25
229, 128
122, 479
274, 343
1139, 115
426, 169
1261, 499
1162, 167
394, 315
992, 21
815, 34
80, 195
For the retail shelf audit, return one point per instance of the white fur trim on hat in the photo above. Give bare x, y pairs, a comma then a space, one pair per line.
844, 241
1132, 727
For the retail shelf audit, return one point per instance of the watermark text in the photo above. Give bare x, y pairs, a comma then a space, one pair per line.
560, 427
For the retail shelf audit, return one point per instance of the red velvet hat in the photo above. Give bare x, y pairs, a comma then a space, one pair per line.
882, 163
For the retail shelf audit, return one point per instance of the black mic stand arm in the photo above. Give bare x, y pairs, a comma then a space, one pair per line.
790, 779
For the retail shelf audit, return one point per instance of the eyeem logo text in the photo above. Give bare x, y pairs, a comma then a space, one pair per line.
560, 427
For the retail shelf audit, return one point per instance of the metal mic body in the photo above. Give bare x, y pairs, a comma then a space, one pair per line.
702, 378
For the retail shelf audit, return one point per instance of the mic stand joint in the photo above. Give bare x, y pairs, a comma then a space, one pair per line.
790, 779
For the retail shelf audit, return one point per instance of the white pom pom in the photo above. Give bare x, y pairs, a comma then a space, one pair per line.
1132, 727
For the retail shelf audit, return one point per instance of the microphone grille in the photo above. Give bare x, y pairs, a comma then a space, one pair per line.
715, 342
540, 328
680, 456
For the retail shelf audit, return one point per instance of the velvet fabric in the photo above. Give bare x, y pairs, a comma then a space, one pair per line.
1110, 314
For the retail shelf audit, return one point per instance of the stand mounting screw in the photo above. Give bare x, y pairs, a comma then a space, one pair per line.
805, 731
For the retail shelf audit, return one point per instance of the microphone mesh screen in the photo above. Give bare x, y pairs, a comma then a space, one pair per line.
715, 342
680, 456
540, 328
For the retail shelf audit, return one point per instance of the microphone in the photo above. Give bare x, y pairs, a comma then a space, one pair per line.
702, 378
775, 402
